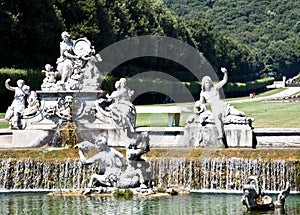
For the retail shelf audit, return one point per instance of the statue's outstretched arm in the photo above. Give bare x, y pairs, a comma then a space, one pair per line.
225, 79
7, 85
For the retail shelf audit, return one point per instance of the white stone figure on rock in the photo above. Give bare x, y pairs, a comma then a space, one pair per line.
65, 63
122, 110
118, 171
221, 112
210, 94
76, 65
15, 111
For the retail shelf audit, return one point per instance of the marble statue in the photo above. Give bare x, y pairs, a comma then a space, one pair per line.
254, 198
63, 110
76, 66
15, 111
221, 113
210, 95
33, 104
121, 110
49, 82
65, 63
118, 172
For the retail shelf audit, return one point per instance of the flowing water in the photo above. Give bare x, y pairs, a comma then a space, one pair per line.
213, 174
211, 204
203, 174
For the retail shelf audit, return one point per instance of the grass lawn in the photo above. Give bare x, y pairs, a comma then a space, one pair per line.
272, 114
4, 125
265, 114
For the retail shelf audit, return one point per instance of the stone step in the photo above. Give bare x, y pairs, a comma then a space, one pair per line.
175, 136
6, 138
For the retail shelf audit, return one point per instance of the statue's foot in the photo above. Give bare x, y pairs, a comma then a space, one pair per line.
143, 186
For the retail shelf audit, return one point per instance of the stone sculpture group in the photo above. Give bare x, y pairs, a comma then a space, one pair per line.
71, 98
118, 171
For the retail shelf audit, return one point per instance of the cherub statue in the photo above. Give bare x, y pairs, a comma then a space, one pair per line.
49, 81
33, 104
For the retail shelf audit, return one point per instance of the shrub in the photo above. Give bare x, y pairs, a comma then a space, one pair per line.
127, 194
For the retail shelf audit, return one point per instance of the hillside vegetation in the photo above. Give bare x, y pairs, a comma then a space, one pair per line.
271, 27
30, 34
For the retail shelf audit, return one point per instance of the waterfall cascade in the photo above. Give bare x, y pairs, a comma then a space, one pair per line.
30, 174
196, 174
223, 174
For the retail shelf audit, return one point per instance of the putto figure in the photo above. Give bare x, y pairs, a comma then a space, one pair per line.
49, 82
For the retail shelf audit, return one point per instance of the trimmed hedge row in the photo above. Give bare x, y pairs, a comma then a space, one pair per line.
195, 87
34, 78
247, 87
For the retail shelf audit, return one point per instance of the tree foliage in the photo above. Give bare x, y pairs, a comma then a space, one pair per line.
30, 33
269, 27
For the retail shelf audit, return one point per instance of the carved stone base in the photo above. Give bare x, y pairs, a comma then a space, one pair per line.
236, 136
31, 138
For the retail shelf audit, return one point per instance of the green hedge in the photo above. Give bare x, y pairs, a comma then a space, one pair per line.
244, 88
172, 88
195, 87
33, 78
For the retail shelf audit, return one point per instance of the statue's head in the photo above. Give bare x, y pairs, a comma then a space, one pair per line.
65, 36
48, 67
117, 84
252, 183
20, 83
101, 143
123, 82
206, 83
68, 101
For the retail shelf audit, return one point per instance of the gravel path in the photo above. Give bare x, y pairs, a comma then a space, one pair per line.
287, 92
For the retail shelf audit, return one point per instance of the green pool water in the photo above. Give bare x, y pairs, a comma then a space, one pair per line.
195, 203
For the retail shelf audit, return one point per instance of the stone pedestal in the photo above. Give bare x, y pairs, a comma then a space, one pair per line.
236, 135
40, 129
31, 138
